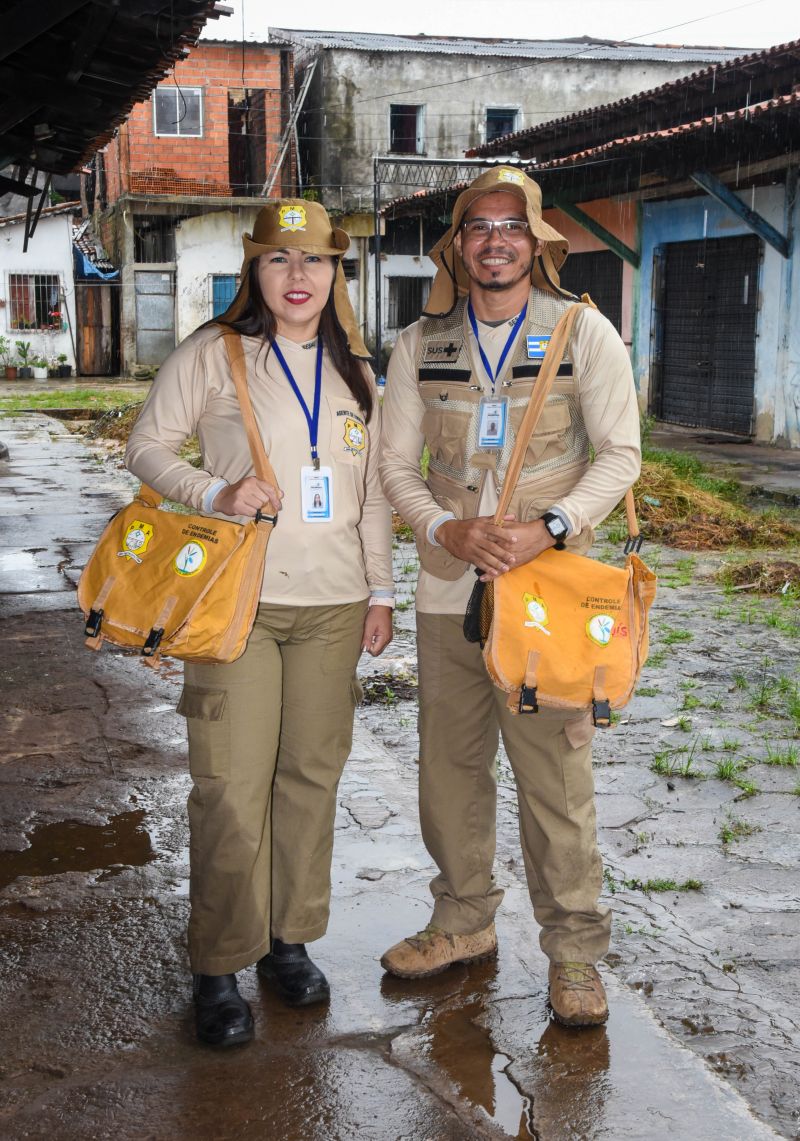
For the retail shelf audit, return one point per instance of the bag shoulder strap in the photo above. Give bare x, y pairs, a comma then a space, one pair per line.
544, 383
261, 464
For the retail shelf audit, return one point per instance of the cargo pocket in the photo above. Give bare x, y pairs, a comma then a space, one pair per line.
549, 439
209, 731
445, 433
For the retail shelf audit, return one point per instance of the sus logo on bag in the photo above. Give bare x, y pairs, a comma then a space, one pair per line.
600, 628
136, 539
190, 559
536, 611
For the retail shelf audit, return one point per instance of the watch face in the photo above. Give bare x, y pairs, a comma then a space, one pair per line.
555, 526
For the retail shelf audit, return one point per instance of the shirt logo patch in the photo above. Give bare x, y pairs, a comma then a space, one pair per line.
354, 436
436, 351
537, 347
136, 539
515, 176
292, 218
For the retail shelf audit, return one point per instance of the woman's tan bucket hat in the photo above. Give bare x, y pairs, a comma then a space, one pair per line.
451, 280
294, 223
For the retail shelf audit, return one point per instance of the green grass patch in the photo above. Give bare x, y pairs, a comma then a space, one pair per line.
736, 829
103, 399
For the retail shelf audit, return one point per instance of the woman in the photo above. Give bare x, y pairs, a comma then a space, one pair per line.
270, 732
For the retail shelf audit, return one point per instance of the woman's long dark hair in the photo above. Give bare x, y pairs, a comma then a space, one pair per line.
257, 320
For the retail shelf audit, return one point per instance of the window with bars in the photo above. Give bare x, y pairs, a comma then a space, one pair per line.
223, 291
407, 297
34, 301
153, 238
178, 110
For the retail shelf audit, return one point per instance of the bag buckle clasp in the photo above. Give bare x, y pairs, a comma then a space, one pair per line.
601, 713
93, 624
152, 643
527, 699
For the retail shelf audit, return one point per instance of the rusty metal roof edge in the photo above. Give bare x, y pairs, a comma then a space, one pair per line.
501, 144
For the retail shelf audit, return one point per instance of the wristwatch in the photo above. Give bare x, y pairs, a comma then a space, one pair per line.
557, 528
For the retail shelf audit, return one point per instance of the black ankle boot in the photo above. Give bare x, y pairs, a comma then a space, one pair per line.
222, 1017
297, 980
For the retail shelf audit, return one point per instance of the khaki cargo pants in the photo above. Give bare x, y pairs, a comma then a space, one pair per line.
461, 713
268, 738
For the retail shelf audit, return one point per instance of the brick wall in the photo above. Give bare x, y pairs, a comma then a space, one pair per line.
142, 162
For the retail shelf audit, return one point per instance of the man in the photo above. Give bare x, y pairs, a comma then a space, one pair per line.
466, 367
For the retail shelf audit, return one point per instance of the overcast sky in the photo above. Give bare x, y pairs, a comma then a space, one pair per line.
738, 23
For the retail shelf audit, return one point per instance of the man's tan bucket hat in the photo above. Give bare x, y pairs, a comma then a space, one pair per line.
451, 280
294, 223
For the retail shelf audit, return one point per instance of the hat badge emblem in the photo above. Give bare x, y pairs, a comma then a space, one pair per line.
292, 218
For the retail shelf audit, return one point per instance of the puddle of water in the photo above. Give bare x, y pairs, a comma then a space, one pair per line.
463, 1051
72, 847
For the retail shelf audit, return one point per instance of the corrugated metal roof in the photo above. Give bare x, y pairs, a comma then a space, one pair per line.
47, 212
584, 47
706, 123
665, 93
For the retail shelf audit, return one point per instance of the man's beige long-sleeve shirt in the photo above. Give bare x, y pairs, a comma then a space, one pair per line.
608, 405
308, 564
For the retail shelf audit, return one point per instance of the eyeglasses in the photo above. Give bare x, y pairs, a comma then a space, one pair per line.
509, 228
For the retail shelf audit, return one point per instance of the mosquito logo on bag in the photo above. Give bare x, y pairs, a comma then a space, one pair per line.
600, 629
536, 613
136, 539
190, 559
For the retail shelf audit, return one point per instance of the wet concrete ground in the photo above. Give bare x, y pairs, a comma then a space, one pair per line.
702, 1041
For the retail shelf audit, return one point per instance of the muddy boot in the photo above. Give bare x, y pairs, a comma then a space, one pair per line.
577, 997
297, 980
432, 951
222, 1017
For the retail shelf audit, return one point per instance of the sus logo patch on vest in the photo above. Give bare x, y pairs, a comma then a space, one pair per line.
136, 539
190, 559
436, 351
292, 218
354, 436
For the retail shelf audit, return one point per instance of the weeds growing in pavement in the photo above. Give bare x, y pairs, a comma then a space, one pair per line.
786, 758
736, 829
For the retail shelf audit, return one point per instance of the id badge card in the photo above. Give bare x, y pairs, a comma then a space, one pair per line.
493, 422
316, 494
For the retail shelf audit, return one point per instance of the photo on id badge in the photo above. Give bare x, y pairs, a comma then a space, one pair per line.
317, 494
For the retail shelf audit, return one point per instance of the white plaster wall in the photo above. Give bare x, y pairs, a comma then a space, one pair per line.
205, 245
49, 251
356, 90
392, 265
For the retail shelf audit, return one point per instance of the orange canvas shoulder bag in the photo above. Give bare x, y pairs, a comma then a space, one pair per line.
178, 585
563, 631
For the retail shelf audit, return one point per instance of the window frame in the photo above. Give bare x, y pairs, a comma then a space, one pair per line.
198, 91
420, 138
514, 108
12, 290
394, 303
212, 277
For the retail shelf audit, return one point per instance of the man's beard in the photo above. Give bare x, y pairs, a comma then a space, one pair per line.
500, 286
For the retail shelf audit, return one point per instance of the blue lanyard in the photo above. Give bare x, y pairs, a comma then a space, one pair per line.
494, 375
311, 417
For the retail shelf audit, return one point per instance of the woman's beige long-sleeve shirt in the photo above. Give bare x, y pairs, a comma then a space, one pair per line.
308, 564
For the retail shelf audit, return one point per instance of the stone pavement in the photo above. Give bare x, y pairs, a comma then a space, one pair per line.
94, 995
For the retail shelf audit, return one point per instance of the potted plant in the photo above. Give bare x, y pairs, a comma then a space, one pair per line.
24, 358
6, 357
52, 368
64, 369
39, 365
